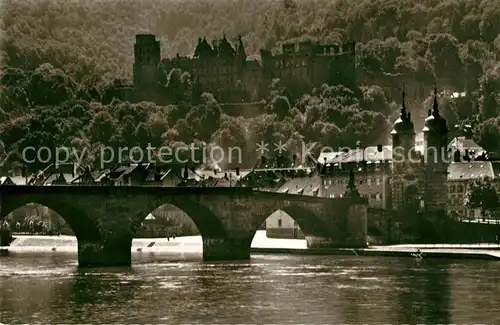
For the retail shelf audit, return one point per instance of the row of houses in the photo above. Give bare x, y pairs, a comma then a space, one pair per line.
149, 174
119, 175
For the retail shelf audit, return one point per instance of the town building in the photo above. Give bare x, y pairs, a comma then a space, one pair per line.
372, 166
466, 147
56, 174
460, 175
85, 178
279, 224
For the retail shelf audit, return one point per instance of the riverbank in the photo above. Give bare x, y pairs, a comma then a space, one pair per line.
262, 245
387, 251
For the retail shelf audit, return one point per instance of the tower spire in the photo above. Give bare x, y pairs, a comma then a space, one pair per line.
435, 108
403, 106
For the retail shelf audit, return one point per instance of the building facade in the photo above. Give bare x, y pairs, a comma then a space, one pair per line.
281, 225
303, 66
372, 166
222, 68
460, 175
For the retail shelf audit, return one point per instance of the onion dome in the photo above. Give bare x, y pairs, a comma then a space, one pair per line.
403, 124
434, 122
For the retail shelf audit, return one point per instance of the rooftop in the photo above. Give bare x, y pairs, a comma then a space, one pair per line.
370, 153
470, 170
303, 185
462, 143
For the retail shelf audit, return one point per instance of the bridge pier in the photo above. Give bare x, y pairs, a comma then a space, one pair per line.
112, 252
226, 249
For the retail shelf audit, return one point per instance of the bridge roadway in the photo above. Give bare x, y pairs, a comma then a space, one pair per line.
106, 218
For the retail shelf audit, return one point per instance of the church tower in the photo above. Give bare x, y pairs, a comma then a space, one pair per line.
146, 61
435, 159
403, 143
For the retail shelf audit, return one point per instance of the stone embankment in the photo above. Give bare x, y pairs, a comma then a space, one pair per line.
264, 245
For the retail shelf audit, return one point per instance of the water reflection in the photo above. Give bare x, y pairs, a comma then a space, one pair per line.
426, 294
95, 290
103, 286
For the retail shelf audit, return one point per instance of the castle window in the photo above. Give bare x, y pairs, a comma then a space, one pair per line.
330, 182
377, 181
280, 223
378, 197
369, 181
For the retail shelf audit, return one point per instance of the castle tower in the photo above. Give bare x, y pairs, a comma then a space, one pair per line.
403, 143
435, 159
146, 61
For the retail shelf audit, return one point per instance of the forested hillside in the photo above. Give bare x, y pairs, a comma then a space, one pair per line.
60, 57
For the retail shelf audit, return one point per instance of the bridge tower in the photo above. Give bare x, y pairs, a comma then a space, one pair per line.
435, 158
403, 144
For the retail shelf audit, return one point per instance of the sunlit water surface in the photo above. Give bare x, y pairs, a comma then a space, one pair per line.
173, 285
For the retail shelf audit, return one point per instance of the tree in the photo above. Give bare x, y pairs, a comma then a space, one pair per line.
487, 134
102, 127
280, 105
374, 99
481, 194
50, 86
178, 86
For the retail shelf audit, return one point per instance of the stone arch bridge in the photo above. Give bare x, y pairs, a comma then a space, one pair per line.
105, 218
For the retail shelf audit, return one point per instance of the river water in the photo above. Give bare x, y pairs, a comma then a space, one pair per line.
176, 287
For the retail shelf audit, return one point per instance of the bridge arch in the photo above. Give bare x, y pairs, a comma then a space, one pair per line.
207, 223
309, 223
83, 227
